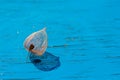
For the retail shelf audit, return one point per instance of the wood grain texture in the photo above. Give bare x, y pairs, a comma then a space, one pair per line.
83, 33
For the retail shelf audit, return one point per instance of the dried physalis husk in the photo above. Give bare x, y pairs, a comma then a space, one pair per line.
36, 42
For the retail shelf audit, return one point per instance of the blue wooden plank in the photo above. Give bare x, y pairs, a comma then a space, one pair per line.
83, 33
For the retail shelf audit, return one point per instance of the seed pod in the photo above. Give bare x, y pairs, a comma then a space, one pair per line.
37, 41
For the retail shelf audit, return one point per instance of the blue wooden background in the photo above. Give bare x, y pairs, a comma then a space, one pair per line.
85, 34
